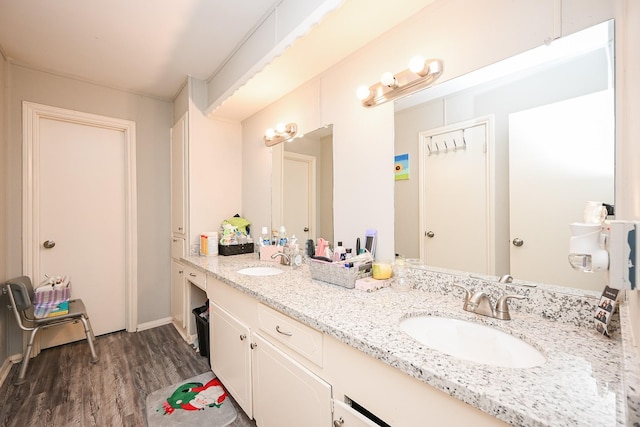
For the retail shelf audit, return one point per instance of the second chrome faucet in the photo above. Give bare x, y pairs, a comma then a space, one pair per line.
480, 303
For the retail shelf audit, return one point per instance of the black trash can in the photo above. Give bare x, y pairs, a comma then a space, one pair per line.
202, 328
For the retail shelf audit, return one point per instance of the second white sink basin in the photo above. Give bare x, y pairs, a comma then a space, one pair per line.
472, 341
260, 271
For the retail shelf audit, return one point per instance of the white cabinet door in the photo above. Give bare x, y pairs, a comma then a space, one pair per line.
231, 355
177, 294
285, 393
178, 185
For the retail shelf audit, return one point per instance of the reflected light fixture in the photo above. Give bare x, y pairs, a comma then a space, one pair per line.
420, 74
281, 133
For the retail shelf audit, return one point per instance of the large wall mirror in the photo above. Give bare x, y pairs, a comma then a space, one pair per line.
302, 188
502, 160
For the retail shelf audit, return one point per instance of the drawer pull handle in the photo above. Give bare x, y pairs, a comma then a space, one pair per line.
192, 275
283, 332
243, 337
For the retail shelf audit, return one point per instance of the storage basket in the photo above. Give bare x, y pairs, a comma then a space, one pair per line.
243, 248
337, 274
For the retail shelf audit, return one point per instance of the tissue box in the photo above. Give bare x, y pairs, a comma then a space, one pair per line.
52, 300
51, 303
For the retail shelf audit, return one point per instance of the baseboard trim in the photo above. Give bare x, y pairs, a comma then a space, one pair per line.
153, 324
6, 366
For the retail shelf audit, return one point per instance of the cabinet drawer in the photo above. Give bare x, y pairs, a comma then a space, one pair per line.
300, 338
196, 277
346, 416
177, 247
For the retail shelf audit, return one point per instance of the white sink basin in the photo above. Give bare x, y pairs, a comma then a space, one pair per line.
260, 271
472, 341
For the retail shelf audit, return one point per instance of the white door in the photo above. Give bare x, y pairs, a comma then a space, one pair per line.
455, 216
299, 195
77, 202
575, 145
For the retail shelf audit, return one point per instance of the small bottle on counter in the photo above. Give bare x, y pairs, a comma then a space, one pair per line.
282, 236
348, 254
265, 240
339, 253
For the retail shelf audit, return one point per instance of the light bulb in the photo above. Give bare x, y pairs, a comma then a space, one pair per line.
269, 133
388, 79
281, 128
363, 93
417, 65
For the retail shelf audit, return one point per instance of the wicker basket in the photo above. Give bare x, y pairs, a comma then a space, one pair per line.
337, 274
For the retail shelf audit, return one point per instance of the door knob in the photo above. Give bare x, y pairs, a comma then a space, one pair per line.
518, 242
430, 234
306, 229
48, 244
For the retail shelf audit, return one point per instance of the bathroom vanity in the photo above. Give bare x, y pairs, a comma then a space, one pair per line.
288, 338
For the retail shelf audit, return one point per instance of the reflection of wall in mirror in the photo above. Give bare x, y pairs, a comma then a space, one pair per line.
565, 80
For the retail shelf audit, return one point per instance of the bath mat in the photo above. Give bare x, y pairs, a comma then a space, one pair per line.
201, 400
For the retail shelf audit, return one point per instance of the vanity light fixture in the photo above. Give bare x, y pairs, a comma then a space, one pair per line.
420, 74
280, 134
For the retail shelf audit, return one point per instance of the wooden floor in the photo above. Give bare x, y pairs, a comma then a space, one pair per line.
64, 389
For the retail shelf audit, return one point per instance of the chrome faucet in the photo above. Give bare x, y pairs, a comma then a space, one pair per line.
506, 278
480, 303
284, 260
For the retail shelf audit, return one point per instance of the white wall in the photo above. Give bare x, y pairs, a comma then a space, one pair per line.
153, 121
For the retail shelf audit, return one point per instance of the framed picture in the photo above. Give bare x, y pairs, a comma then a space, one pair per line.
402, 167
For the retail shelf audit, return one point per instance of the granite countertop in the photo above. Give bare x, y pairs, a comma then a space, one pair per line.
582, 382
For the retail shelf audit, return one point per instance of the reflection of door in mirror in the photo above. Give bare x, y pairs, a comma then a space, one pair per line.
572, 67
307, 201
455, 207
574, 145
299, 195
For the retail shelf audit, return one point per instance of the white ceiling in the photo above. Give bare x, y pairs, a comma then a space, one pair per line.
144, 46
150, 46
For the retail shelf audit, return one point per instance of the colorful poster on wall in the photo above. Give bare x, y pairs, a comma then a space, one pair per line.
402, 167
